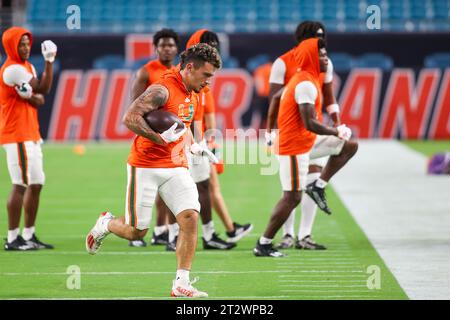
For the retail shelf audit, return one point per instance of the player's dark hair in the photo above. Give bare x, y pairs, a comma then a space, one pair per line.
210, 38
321, 44
199, 54
165, 33
308, 29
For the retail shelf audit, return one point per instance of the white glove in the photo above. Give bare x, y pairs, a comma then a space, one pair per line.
25, 91
270, 137
344, 132
202, 150
49, 50
170, 135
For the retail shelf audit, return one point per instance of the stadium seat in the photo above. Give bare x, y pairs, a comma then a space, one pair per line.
374, 60
437, 60
237, 15
256, 61
342, 62
39, 64
230, 62
135, 65
109, 62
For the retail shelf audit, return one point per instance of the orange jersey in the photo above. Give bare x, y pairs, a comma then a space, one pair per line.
18, 118
291, 61
195, 38
155, 70
147, 154
294, 138
206, 106
261, 76
206, 98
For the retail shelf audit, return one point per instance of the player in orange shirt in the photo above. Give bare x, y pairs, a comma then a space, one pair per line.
166, 43
261, 77
282, 71
21, 94
157, 164
204, 173
299, 129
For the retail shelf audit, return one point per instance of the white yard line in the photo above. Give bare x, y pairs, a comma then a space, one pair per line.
404, 213
325, 286
328, 257
115, 273
154, 298
324, 281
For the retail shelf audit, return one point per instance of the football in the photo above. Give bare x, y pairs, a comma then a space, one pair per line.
161, 120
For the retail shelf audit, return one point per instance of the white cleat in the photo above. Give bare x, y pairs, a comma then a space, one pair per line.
186, 290
98, 233
239, 232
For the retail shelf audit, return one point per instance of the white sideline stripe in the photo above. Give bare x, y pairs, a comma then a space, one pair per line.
323, 281
326, 291
404, 213
315, 266
325, 286
113, 273
327, 297
325, 259
322, 263
326, 271
322, 276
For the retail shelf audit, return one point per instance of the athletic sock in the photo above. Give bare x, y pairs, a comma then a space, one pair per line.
208, 230
27, 233
182, 276
160, 230
173, 231
309, 209
12, 235
263, 240
321, 183
288, 226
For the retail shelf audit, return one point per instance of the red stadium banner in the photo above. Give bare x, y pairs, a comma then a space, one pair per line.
406, 105
77, 104
115, 104
232, 90
440, 124
359, 101
90, 104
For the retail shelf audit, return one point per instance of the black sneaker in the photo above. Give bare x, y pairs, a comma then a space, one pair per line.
239, 232
217, 243
172, 246
287, 242
39, 244
137, 243
308, 243
318, 195
19, 245
162, 239
267, 250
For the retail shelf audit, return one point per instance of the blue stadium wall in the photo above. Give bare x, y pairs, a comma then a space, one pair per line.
407, 101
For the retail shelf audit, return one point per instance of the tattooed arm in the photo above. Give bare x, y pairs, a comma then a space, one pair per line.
151, 99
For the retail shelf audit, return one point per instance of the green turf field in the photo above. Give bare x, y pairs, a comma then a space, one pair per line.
429, 147
78, 188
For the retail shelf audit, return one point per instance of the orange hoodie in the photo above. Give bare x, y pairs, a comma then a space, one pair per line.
147, 154
18, 118
195, 38
206, 98
294, 138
